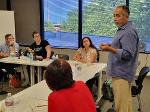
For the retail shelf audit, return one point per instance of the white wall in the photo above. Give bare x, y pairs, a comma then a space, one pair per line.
7, 24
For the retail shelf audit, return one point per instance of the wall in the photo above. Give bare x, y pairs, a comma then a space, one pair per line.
27, 19
3, 5
7, 24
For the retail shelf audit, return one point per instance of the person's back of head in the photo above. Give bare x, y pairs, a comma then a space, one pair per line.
59, 75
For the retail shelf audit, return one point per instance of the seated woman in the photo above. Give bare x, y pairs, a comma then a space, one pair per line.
87, 52
68, 95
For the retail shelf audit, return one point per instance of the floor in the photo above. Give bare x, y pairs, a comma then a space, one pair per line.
9, 90
145, 99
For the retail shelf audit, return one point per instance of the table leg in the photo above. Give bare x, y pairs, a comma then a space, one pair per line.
99, 94
32, 73
39, 73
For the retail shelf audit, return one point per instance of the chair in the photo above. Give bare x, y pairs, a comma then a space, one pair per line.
3, 74
52, 53
97, 59
135, 89
62, 56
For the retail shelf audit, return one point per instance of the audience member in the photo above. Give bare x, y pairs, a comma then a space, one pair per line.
40, 47
8, 48
68, 95
87, 52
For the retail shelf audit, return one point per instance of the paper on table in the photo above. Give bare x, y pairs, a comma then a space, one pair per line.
39, 106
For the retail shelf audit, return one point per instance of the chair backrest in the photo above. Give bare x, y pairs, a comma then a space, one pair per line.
142, 75
97, 55
139, 82
52, 53
107, 90
63, 56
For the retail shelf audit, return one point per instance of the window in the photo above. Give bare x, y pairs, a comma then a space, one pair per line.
61, 23
98, 20
140, 15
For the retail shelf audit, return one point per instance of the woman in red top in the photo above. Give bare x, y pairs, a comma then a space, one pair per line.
68, 95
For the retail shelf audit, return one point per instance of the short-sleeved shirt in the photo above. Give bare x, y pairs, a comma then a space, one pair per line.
40, 49
4, 48
86, 55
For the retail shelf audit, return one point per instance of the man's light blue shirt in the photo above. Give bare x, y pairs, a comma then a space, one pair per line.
4, 48
123, 63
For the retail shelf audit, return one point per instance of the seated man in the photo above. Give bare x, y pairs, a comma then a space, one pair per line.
68, 95
9, 48
40, 47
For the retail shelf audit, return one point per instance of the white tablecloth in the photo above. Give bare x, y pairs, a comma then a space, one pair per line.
28, 99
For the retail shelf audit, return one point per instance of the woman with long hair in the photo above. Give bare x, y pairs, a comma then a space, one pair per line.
87, 52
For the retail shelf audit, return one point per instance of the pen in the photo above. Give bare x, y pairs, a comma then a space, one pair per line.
41, 105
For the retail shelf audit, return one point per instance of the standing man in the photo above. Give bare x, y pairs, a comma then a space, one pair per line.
122, 59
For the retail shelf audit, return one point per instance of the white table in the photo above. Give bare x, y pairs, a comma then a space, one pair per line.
28, 99
32, 64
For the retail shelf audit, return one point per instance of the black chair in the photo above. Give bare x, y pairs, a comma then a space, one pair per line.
52, 53
3, 75
62, 56
135, 89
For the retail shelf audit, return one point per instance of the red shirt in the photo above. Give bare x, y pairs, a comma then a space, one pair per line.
74, 99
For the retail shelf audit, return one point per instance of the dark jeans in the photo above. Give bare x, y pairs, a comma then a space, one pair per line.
10, 69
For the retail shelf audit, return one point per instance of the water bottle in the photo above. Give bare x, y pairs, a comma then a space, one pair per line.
9, 101
12, 55
79, 67
31, 56
16, 51
12, 51
57, 56
28, 55
53, 57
